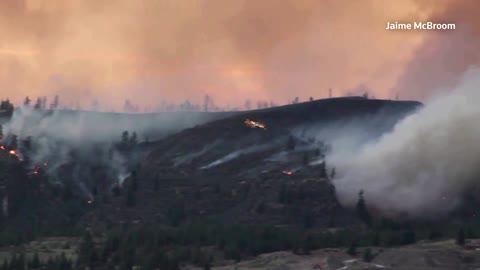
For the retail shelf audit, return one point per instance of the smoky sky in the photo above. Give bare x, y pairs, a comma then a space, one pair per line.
164, 50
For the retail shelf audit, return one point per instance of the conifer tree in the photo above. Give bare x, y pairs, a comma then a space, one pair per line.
362, 211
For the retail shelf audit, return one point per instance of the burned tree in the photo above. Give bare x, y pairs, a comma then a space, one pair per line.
124, 141
55, 103
38, 104
133, 140
27, 101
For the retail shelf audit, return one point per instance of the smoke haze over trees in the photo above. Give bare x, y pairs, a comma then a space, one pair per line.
165, 50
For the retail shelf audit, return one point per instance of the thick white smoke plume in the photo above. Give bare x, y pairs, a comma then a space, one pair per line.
425, 164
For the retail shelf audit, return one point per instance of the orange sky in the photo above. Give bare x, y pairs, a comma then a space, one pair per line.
154, 50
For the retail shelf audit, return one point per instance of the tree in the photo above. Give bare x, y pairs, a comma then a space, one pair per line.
333, 173
352, 249
207, 103
248, 104
460, 240
55, 103
38, 104
323, 170
290, 143
156, 184
124, 142
86, 253
14, 142
362, 211
367, 255
133, 140
130, 201
408, 237
27, 101
35, 263
44, 103
376, 239
311, 98
5, 265
306, 159
134, 179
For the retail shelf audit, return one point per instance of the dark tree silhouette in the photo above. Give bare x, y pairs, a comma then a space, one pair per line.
44, 103
1, 132
352, 249
27, 101
56, 103
13, 142
133, 140
207, 102
125, 139
290, 143
248, 104
86, 253
367, 255
333, 173
323, 169
38, 104
362, 211
460, 240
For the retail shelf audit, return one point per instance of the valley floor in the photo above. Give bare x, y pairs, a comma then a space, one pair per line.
423, 256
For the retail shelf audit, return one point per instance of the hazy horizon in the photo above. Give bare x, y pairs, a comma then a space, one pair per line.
153, 51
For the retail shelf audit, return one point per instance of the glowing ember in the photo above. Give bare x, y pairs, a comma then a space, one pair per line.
287, 172
12, 152
45, 164
2, 147
35, 170
254, 124
90, 201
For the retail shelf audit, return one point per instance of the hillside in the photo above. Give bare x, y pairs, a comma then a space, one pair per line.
230, 173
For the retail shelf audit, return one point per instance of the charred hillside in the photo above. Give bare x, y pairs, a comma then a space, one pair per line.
227, 172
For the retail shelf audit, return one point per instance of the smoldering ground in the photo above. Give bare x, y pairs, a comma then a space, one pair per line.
424, 165
86, 147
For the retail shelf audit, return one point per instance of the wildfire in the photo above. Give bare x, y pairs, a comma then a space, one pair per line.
35, 170
254, 124
287, 172
13, 152
2, 147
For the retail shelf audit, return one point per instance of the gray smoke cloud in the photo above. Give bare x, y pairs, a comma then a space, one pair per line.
84, 147
424, 164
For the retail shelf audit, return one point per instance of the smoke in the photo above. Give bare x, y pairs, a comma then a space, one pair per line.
162, 50
235, 154
443, 57
85, 149
424, 165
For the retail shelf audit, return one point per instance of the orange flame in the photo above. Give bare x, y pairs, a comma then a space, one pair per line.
254, 124
12, 152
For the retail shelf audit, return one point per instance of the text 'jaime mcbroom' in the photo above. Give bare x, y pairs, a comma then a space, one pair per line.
420, 26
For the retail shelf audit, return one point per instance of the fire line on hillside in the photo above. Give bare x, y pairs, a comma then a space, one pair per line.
255, 124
